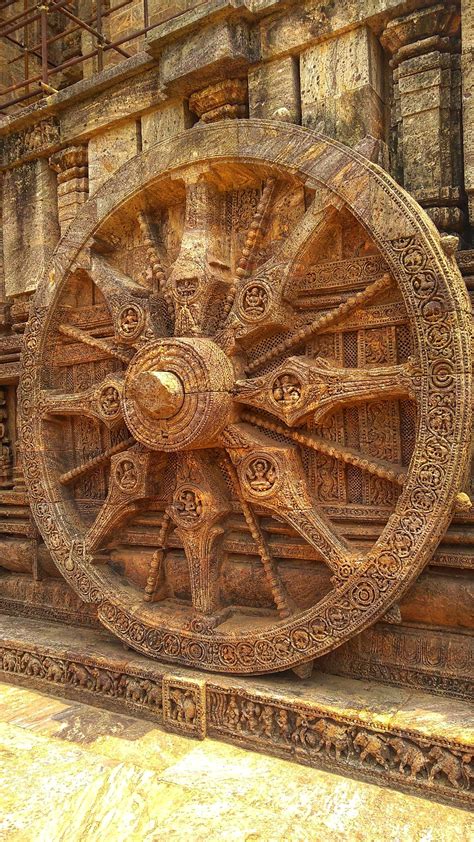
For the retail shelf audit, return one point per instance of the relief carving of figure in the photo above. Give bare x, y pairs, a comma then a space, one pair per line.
261, 475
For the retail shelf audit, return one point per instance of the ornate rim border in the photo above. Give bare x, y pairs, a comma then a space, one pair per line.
434, 296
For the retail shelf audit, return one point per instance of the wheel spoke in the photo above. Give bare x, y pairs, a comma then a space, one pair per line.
262, 300
299, 337
133, 481
301, 388
127, 301
94, 342
97, 462
284, 604
200, 503
101, 402
201, 273
271, 474
156, 570
351, 456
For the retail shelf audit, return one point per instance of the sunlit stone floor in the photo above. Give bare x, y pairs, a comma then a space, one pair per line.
72, 772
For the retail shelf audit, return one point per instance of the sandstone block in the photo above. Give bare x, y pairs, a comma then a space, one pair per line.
108, 151
30, 224
274, 91
165, 122
342, 86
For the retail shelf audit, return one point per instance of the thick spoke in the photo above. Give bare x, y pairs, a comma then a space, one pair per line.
201, 273
127, 301
351, 456
200, 503
101, 402
301, 388
133, 481
271, 474
302, 335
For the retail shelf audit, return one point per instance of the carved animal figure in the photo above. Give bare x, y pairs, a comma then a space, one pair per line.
303, 733
408, 755
79, 676
449, 765
184, 706
333, 736
153, 694
104, 682
370, 745
31, 665
135, 691
54, 670
9, 661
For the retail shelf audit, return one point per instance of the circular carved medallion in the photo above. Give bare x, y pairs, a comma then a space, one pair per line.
266, 391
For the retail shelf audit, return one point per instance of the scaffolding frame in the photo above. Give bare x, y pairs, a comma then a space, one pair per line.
39, 84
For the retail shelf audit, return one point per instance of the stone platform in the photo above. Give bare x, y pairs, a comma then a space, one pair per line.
73, 773
392, 736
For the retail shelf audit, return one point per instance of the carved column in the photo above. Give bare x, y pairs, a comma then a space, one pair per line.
426, 146
5, 445
71, 165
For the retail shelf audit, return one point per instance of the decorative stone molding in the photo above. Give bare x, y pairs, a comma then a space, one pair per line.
36, 141
225, 100
71, 165
388, 750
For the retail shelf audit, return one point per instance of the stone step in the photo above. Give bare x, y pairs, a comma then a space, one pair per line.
391, 736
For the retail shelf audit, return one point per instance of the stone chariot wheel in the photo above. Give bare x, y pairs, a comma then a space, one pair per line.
245, 397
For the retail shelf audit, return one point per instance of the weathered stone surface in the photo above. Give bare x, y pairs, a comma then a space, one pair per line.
324, 323
274, 91
30, 224
163, 123
342, 87
109, 150
402, 738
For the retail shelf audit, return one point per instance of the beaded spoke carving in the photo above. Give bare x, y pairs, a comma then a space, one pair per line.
213, 373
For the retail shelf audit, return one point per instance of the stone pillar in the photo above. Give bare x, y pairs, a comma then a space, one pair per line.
30, 225
467, 71
426, 125
274, 90
73, 182
342, 87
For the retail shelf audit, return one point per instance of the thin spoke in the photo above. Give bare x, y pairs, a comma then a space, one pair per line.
96, 462
323, 321
93, 342
156, 571
253, 236
380, 468
281, 599
156, 267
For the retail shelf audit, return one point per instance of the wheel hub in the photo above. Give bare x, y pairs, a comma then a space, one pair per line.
177, 393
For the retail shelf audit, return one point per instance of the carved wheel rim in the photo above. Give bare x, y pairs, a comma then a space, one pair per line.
240, 431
